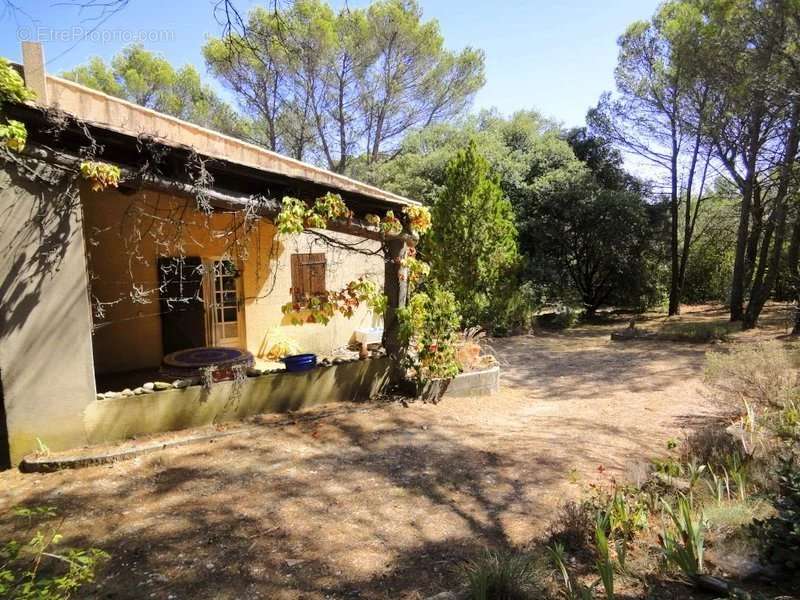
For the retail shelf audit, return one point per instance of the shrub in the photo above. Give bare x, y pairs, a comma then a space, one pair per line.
501, 576
40, 569
779, 535
572, 528
428, 327
563, 318
712, 446
518, 312
786, 422
13, 135
278, 344
469, 350
676, 331
759, 374
625, 514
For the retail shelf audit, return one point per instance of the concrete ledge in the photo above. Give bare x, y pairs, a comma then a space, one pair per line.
88, 457
169, 410
463, 385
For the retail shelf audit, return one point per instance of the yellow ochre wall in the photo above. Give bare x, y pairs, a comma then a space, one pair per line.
125, 234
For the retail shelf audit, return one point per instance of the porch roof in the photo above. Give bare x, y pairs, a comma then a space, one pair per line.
114, 114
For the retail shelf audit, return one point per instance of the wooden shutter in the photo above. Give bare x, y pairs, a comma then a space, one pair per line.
308, 275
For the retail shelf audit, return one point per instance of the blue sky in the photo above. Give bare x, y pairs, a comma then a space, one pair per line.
556, 56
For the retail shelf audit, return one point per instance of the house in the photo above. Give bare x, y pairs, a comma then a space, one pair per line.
98, 282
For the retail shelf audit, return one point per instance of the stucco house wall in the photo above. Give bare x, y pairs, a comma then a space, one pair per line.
45, 322
127, 233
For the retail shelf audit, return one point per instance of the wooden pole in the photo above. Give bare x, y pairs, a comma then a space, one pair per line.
396, 289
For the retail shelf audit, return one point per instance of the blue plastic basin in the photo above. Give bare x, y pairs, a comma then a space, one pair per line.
300, 362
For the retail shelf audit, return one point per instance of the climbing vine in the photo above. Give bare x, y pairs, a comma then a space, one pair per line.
419, 219
296, 216
322, 307
13, 134
100, 175
414, 270
428, 329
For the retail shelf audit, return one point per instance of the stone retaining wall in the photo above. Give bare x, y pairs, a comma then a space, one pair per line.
122, 417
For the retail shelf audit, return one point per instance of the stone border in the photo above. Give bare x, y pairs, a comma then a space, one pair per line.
102, 455
50, 464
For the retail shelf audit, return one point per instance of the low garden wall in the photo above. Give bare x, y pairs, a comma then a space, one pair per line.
463, 385
122, 417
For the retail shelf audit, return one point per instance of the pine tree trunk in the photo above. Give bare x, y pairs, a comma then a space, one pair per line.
674, 287
739, 263
767, 274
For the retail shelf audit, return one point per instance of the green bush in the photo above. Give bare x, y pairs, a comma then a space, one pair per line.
779, 536
563, 318
519, 310
472, 245
501, 576
429, 327
40, 569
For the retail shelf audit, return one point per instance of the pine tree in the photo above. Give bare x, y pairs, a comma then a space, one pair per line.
473, 242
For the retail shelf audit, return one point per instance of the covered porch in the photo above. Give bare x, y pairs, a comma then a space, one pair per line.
85, 271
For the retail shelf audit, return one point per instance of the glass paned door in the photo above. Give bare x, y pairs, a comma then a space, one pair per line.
225, 320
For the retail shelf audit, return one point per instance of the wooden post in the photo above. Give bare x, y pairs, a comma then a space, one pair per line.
396, 290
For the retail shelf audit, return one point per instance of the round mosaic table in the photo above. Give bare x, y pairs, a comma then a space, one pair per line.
191, 362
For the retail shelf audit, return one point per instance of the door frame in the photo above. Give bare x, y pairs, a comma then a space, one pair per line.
209, 291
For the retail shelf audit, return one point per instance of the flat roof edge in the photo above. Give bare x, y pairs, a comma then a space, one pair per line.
70, 97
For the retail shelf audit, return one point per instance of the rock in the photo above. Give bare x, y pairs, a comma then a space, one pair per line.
161, 385
253, 372
149, 386
736, 565
673, 482
181, 383
112, 395
101, 396
127, 392
338, 360
293, 562
138, 391
446, 596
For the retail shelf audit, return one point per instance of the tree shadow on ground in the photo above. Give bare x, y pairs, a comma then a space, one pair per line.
345, 510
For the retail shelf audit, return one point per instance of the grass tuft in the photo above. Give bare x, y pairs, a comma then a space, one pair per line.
501, 576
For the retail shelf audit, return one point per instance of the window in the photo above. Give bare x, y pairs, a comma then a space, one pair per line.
308, 275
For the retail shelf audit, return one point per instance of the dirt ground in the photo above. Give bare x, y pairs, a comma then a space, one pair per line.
380, 500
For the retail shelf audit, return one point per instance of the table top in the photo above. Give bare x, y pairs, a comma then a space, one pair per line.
195, 358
